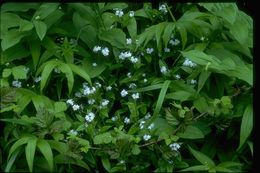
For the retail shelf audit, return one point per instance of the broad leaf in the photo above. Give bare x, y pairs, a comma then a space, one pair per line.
246, 125
45, 149
41, 28
202, 158
30, 151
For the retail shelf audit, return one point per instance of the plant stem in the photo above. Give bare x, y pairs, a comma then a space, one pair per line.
173, 18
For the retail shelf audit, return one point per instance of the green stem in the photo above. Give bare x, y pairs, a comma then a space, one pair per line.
173, 18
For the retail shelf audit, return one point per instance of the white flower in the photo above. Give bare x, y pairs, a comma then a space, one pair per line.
129, 74
202, 38
145, 80
174, 42
90, 117
170, 162
114, 118
126, 120
128, 41
151, 126
26, 69
17, 84
163, 8
147, 116
135, 96
73, 132
104, 102
96, 49
38, 79
94, 64
175, 146
189, 63
167, 49
91, 101
141, 125
109, 88
149, 50
132, 85
134, 59
146, 137
123, 93
60, 8
70, 102
143, 74
193, 81
119, 13
98, 85
131, 13
163, 70
87, 90
124, 55
75, 107
122, 161
177, 76
105, 51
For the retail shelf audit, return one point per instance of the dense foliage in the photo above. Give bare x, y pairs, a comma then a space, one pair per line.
126, 87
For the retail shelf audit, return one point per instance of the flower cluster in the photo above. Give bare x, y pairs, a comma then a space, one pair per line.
124, 55
75, 107
149, 50
189, 63
104, 50
146, 137
163, 8
163, 70
119, 12
17, 84
175, 146
90, 117
135, 96
87, 90
131, 13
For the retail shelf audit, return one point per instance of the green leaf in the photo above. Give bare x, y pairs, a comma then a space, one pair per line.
60, 106
81, 72
202, 158
19, 72
11, 160
191, 132
170, 118
167, 33
160, 100
201, 105
18, 6
110, 6
48, 67
132, 27
59, 146
65, 68
195, 168
228, 164
35, 49
41, 28
116, 37
7, 72
30, 151
221, 169
183, 34
15, 52
240, 31
46, 9
204, 75
106, 163
25, 25
11, 38
45, 149
246, 125
148, 88
17, 144
103, 138
135, 150
250, 144
63, 159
